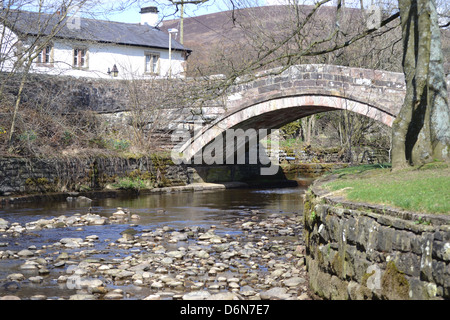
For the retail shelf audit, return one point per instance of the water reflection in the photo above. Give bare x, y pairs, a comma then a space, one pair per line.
179, 208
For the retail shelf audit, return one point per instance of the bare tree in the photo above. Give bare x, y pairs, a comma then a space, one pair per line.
422, 130
21, 50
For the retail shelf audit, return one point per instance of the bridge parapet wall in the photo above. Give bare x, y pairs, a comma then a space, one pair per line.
381, 89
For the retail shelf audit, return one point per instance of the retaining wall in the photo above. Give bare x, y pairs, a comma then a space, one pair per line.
36, 176
361, 251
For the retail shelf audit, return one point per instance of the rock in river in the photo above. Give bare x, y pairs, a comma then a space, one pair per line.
276, 293
197, 295
25, 253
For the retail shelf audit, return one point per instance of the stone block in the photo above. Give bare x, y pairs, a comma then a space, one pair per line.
304, 83
441, 250
334, 226
401, 240
287, 84
421, 290
444, 231
357, 291
352, 234
419, 242
384, 239
281, 79
269, 88
408, 263
351, 254
338, 289
440, 273
360, 265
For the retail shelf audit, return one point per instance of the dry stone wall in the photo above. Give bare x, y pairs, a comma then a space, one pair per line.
38, 178
36, 175
357, 251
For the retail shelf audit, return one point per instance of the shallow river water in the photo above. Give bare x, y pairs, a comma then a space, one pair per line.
175, 211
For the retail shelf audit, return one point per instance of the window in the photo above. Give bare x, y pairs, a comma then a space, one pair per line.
152, 63
80, 58
45, 56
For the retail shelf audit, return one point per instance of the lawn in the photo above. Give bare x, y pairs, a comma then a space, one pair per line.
425, 189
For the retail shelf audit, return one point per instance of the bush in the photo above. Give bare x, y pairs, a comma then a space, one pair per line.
130, 184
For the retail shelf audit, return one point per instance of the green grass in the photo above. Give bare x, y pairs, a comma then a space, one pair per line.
360, 169
130, 184
426, 189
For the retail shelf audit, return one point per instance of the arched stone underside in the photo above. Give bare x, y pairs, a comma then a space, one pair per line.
277, 112
277, 97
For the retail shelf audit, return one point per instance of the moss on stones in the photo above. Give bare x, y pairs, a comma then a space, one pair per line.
394, 284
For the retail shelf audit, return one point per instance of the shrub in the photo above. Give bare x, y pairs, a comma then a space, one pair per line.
130, 184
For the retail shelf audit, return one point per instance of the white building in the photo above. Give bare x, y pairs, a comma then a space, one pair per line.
94, 48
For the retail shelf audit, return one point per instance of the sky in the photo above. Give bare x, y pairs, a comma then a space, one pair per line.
132, 13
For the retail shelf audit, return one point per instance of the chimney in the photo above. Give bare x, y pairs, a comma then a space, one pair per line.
62, 10
149, 16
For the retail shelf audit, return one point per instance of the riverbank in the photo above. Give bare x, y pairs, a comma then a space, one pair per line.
423, 190
255, 256
31, 179
376, 249
103, 176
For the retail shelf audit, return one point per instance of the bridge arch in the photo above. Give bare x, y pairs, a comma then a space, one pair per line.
277, 98
276, 113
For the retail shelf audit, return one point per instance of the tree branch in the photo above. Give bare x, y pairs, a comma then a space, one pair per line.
352, 40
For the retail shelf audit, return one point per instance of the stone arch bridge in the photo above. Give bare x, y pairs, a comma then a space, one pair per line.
274, 99
268, 100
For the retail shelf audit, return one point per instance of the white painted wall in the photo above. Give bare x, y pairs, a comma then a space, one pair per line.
130, 60
8, 48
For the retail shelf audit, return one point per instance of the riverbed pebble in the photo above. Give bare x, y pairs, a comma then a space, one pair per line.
16, 277
25, 253
10, 298
37, 279
265, 260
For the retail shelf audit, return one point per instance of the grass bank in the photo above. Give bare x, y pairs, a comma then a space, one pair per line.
425, 189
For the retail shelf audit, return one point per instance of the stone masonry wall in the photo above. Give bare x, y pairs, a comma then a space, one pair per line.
36, 177
19, 176
357, 251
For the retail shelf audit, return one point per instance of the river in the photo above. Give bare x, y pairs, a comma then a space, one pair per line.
218, 209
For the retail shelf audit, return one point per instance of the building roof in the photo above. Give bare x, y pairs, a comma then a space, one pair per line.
133, 34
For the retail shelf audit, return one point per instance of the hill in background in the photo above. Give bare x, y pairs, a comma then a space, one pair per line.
224, 41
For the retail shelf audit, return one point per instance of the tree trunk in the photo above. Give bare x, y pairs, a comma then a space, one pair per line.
421, 132
17, 103
310, 123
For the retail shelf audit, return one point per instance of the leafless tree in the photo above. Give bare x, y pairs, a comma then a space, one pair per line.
20, 51
422, 129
